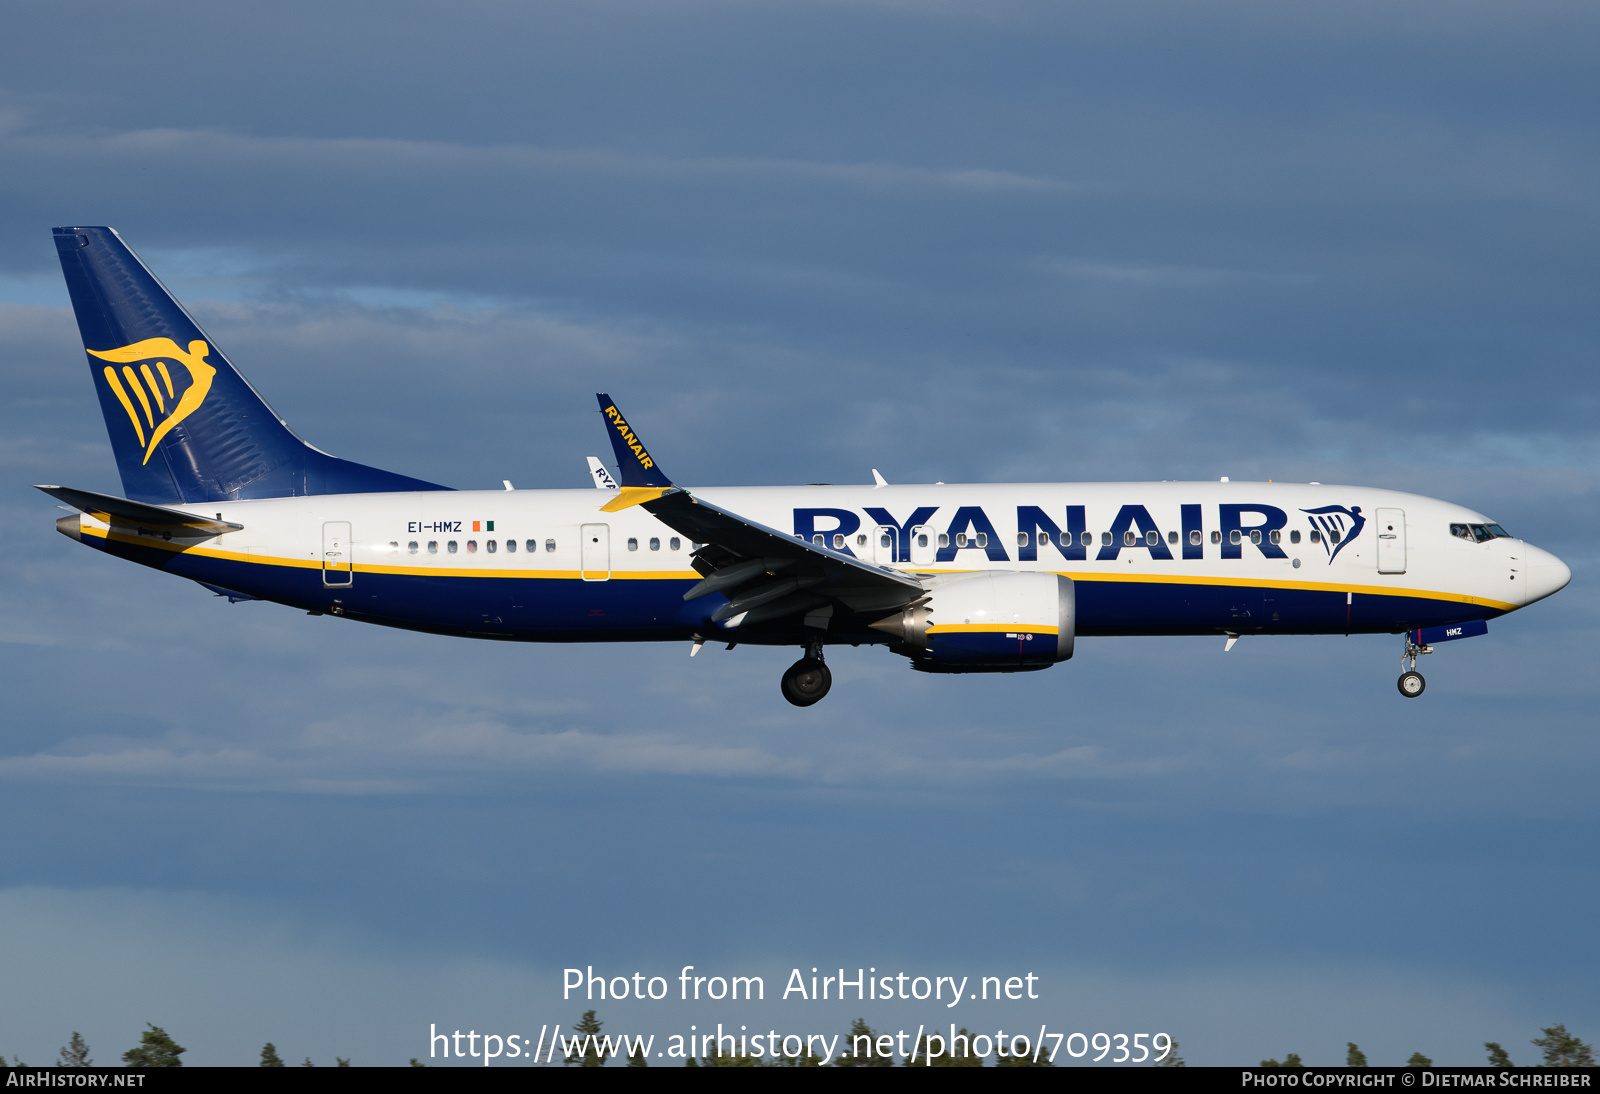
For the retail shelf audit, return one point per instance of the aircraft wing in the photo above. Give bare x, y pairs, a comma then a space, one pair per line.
767, 575
137, 514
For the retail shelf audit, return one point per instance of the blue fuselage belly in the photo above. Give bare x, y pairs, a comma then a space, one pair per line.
569, 609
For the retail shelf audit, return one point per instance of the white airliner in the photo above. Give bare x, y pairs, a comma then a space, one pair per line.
955, 578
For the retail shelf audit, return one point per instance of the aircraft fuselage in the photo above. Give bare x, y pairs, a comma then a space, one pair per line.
1154, 558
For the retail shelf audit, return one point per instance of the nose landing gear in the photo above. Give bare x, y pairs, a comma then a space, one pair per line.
1411, 682
808, 679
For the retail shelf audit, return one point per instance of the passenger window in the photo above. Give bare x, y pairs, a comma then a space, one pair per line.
1128, 539
1086, 539
1172, 538
1275, 536
1216, 537
1255, 536
1333, 536
838, 541
961, 539
1105, 539
492, 545
549, 545
1022, 539
922, 540
633, 543
1044, 538
411, 548
1194, 537
433, 546
1234, 537
944, 539
817, 539
1066, 538
888, 541
674, 543
394, 546
1294, 537
983, 539
511, 545
1316, 536
1152, 538
861, 540
472, 546
655, 543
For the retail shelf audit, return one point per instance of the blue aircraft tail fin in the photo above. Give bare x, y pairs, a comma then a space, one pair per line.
184, 424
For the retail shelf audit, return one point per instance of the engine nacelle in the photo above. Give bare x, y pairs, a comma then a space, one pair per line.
990, 622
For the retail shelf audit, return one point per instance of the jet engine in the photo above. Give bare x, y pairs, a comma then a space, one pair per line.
989, 622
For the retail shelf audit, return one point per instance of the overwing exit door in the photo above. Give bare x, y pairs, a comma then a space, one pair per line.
884, 540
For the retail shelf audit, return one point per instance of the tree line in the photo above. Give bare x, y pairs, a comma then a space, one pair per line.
156, 1048
1559, 1049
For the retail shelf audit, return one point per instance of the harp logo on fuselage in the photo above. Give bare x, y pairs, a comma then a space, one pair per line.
147, 390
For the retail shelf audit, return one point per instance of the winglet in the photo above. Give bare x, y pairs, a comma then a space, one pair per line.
602, 477
633, 461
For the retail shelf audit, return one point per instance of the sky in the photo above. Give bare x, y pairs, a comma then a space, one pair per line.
1343, 242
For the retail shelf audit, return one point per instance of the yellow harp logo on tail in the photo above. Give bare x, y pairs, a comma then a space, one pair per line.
153, 388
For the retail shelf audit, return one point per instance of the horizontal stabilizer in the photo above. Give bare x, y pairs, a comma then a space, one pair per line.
136, 514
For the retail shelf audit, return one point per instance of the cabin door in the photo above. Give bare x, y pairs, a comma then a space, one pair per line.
596, 552
1391, 541
338, 565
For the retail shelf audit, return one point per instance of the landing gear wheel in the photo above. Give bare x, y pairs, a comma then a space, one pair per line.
806, 681
1411, 684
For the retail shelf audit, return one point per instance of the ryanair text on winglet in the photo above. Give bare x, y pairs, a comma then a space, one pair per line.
628, 437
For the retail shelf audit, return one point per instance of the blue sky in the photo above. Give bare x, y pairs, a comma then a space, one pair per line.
970, 242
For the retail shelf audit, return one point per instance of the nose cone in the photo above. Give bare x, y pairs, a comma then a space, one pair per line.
1546, 574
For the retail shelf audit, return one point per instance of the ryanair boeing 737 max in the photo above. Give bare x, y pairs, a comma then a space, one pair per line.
955, 578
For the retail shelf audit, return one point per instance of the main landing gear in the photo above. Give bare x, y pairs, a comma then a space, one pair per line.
808, 679
1411, 682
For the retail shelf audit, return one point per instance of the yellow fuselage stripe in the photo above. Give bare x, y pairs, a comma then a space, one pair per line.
690, 575
990, 628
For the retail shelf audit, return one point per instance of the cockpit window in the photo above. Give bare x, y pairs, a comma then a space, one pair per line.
1479, 533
